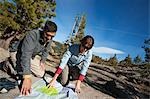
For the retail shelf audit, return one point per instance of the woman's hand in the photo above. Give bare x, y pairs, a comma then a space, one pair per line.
51, 83
77, 87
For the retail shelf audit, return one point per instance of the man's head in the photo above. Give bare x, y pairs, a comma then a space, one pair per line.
50, 30
86, 43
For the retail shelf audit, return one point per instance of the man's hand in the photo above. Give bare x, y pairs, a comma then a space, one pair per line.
42, 65
26, 86
77, 87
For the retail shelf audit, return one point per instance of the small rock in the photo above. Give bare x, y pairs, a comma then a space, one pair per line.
3, 90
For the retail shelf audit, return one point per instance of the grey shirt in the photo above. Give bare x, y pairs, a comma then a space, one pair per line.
33, 44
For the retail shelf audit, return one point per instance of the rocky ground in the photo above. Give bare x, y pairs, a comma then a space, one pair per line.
101, 82
88, 90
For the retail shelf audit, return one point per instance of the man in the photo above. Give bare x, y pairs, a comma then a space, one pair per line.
35, 42
75, 63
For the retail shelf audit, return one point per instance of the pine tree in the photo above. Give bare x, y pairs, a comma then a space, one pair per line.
80, 33
113, 61
7, 15
97, 59
23, 15
146, 48
127, 61
137, 59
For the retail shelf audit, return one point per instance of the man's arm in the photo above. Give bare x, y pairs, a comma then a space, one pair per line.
46, 52
27, 48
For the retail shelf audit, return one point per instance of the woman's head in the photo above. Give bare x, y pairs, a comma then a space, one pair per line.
86, 43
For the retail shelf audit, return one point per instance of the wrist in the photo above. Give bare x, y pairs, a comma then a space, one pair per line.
26, 76
42, 62
81, 77
58, 71
78, 83
55, 76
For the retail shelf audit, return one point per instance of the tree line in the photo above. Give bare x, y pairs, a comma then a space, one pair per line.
19, 16
128, 61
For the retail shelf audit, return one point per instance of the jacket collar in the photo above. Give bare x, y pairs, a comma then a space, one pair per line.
41, 39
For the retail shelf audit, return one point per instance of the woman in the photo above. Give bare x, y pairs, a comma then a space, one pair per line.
75, 63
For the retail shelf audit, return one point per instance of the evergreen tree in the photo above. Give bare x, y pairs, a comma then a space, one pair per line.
127, 61
113, 61
97, 59
146, 48
80, 33
137, 59
23, 15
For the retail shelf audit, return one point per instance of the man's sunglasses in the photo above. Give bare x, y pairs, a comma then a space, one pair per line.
49, 35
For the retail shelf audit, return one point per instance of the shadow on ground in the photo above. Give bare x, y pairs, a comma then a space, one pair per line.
49, 73
112, 89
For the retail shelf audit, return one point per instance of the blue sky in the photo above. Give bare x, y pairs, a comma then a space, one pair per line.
118, 26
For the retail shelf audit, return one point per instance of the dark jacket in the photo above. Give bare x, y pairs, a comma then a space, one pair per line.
32, 44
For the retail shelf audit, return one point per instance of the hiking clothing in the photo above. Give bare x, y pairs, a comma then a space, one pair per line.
32, 44
73, 58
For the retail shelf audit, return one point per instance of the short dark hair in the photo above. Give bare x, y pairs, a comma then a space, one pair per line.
50, 27
83, 40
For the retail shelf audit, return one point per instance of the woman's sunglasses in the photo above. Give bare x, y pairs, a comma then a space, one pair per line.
85, 47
